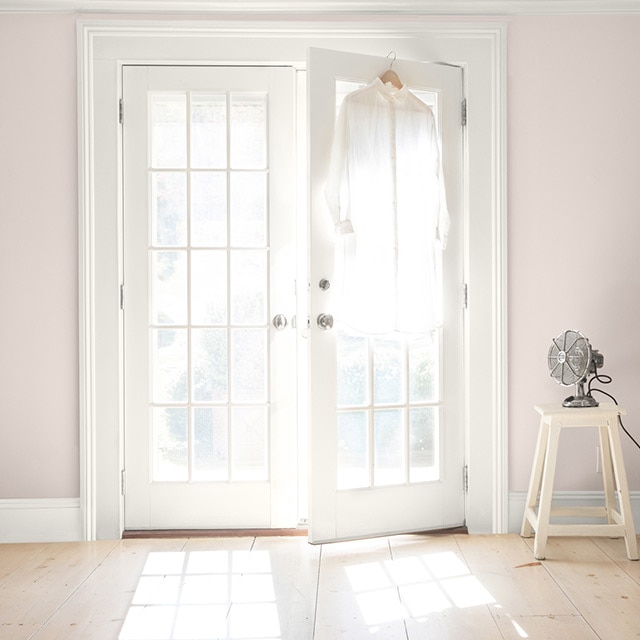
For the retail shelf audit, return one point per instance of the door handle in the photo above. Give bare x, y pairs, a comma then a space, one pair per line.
325, 321
279, 321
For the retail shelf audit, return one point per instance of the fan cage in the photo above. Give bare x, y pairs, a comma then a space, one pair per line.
569, 358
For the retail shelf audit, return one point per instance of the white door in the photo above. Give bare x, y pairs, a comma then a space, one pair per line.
209, 269
386, 412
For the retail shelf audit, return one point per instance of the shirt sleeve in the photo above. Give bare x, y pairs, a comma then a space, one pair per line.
337, 187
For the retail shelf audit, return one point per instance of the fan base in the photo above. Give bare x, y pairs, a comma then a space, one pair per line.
578, 402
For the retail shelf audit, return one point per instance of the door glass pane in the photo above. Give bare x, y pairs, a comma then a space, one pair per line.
353, 450
424, 448
209, 131
169, 365
353, 370
249, 443
388, 372
169, 209
170, 439
424, 370
209, 287
208, 209
248, 209
248, 365
210, 443
169, 287
209, 362
248, 287
169, 131
248, 131
389, 463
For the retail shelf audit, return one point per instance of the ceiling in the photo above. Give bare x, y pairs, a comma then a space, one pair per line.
326, 7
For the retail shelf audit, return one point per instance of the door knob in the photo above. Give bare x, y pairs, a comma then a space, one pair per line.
279, 321
325, 321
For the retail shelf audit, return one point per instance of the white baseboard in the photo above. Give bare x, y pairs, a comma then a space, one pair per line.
40, 520
518, 499
60, 519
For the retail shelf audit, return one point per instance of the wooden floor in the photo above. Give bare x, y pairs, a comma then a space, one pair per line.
464, 587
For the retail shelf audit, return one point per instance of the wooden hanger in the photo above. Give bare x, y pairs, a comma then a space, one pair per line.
390, 75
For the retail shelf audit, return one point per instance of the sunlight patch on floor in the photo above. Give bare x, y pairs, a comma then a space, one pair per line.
414, 587
204, 595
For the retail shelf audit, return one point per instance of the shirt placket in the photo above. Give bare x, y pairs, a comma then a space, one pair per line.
394, 193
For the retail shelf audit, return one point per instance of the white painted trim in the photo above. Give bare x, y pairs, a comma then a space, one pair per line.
102, 47
325, 7
500, 409
40, 520
86, 286
564, 499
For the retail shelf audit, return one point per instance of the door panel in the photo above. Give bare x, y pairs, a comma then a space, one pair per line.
386, 412
209, 259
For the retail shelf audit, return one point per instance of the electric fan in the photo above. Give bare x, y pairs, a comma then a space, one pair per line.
571, 361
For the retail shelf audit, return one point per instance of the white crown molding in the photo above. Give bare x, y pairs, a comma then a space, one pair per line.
326, 7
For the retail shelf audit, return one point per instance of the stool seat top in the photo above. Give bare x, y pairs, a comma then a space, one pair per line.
576, 412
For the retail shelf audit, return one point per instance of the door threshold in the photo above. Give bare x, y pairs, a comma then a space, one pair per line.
210, 533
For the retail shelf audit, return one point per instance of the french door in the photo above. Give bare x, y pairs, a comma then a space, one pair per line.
209, 270
386, 412
211, 427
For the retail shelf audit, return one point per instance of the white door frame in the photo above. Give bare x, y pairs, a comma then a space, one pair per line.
104, 46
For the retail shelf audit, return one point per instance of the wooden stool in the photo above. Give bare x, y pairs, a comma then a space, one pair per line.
619, 521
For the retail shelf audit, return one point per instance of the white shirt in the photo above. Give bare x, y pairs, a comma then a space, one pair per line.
385, 190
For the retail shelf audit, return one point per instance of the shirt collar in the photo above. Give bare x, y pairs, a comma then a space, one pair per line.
389, 91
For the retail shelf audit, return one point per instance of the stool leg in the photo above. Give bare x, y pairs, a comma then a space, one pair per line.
623, 491
536, 477
546, 491
607, 473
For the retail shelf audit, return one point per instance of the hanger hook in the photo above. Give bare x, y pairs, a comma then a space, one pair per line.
391, 53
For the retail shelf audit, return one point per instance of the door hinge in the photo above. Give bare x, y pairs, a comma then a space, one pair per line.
463, 112
465, 296
465, 478
121, 111
123, 482
122, 296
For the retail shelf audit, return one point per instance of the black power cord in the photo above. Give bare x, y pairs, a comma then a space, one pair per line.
605, 379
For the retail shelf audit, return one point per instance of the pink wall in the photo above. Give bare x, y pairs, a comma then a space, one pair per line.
38, 258
574, 227
574, 223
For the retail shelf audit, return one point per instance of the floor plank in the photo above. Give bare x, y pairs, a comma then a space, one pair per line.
356, 596
545, 628
606, 596
189, 594
15, 556
29, 597
616, 550
520, 585
441, 596
528, 602
295, 565
98, 608
411, 587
